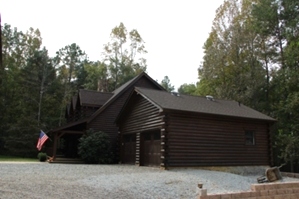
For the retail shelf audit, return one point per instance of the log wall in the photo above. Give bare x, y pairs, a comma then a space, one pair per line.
105, 121
205, 140
140, 116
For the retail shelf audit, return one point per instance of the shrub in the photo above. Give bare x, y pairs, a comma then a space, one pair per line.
42, 156
94, 148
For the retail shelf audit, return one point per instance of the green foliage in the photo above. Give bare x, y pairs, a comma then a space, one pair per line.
37, 76
165, 83
288, 146
231, 68
251, 56
42, 156
35, 88
97, 77
28, 93
123, 56
70, 61
20, 147
189, 89
94, 148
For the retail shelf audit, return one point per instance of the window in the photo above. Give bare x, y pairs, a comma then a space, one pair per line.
249, 138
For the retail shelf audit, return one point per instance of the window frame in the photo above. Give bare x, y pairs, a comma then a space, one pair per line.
250, 138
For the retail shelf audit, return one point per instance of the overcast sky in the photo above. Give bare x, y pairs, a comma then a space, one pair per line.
174, 31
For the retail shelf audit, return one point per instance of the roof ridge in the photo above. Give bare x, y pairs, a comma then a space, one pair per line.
198, 96
94, 91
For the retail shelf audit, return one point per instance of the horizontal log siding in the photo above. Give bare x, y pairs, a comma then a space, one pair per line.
105, 121
140, 115
199, 140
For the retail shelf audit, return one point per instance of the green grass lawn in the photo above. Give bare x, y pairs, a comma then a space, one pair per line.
4, 158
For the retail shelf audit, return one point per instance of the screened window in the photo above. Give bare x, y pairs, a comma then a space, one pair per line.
249, 138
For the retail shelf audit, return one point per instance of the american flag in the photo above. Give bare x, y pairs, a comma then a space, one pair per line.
41, 140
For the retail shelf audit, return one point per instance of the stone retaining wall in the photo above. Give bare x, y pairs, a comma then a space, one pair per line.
283, 190
291, 175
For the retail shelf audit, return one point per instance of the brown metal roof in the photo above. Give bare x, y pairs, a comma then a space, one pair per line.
93, 98
169, 101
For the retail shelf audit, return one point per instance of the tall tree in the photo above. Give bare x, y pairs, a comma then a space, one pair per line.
277, 22
17, 47
70, 61
37, 76
14, 119
231, 69
97, 77
165, 83
189, 89
251, 55
123, 55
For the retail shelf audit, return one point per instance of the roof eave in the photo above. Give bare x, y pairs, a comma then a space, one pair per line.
270, 120
68, 125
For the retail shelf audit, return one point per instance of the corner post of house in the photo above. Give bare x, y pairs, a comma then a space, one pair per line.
163, 149
164, 142
138, 149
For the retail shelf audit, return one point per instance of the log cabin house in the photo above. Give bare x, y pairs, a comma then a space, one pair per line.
148, 126
159, 128
97, 111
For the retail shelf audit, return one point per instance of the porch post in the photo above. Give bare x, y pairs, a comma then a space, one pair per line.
55, 145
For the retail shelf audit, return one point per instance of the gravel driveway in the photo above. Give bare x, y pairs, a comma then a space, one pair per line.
44, 180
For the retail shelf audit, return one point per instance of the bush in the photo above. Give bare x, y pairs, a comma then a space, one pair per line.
42, 156
94, 148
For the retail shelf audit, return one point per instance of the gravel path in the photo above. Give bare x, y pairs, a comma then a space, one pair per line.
44, 180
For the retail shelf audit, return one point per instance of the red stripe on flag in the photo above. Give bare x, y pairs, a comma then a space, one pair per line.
41, 140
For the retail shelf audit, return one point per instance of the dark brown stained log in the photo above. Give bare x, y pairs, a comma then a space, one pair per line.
141, 118
205, 140
81, 112
150, 121
195, 139
105, 121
